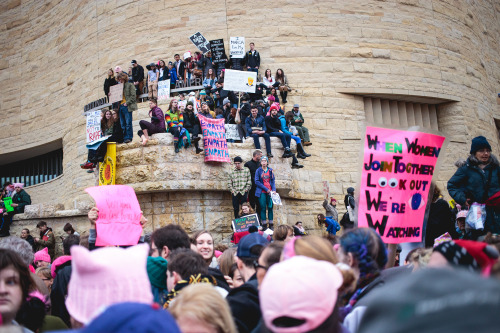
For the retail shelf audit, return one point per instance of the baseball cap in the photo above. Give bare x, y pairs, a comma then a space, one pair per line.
300, 288
246, 243
433, 300
133, 62
132, 317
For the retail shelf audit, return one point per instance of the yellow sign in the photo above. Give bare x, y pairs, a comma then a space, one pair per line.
107, 169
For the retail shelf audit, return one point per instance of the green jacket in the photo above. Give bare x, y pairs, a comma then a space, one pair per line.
130, 96
22, 199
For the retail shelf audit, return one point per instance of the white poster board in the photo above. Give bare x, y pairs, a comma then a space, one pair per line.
93, 126
240, 81
163, 91
116, 93
232, 132
237, 47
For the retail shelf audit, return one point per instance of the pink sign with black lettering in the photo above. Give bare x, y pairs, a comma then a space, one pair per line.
397, 172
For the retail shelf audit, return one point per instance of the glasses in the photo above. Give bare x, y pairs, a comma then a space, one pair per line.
257, 265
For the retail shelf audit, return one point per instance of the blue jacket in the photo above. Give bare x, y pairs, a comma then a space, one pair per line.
469, 181
331, 225
173, 75
284, 127
257, 122
259, 183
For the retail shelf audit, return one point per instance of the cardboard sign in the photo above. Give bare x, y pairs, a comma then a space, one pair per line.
397, 172
240, 81
200, 42
214, 139
326, 189
243, 223
93, 127
163, 91
116, 93
119, 215
107, 169
8, 204
237, 47
232, 132
218, 51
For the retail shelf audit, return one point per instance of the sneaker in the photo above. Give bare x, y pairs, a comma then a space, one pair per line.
88, 165
307, 143
270, 155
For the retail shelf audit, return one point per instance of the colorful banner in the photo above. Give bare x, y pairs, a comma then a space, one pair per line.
116, 93
214, 139
107, 169
93, 128
237, 47
119, 215
163, 91
240, 81
395, 181
200, 42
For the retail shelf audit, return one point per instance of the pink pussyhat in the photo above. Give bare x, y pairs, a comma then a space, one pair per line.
107, 276
20, 185
42, 255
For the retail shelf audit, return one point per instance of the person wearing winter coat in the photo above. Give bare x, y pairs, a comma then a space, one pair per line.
298, 122
46, 238
331, 209
157, 124
266, 185
285, 127
20, 199
478, 180
440, 221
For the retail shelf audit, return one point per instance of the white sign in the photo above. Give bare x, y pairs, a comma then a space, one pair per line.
240, 81
232, 132
163, 91
237, 47
93, 126
275, 197
116, 93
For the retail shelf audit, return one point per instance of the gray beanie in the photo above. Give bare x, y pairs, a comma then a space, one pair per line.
350, 190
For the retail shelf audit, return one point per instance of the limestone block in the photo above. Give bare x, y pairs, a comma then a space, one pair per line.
191, 222
380, 53
361, 52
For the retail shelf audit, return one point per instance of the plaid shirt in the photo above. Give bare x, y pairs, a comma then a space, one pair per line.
240, 181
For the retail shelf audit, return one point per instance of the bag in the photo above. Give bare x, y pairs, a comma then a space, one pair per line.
476, 217
294, 131
345, 222
283, 88
351, 213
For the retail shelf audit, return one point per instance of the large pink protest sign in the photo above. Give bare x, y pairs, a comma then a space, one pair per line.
395, 181
214, 139
119, 215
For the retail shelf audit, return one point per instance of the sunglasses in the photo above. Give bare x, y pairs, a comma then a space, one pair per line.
257, 265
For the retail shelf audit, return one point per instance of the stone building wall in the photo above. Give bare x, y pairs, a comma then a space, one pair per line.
55, 55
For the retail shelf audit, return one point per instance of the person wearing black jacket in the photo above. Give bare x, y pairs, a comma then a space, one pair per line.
441, 220
273, 128
179, 67
137, 77
192, 125
109, 81
252, 59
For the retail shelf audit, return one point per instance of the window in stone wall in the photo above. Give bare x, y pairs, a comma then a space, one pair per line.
34, 170
400, 113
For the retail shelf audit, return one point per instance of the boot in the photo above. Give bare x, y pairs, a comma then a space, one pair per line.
198, 150
176, 145
295, 163
288, 153
301, 151
271, 225
264, 226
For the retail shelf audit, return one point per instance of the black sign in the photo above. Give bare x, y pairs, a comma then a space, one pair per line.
243, 223
96, 105
201, 42
218, 51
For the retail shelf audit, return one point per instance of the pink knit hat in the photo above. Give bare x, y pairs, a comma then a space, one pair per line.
107, 276
42, 255
315, 286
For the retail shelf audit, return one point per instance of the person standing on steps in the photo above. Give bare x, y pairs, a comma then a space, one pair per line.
137, 77
239, 184
253, 165
298, 122
265, 181
128, 104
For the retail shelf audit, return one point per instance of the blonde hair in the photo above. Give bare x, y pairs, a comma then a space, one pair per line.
201, 302
281, 232
45, 271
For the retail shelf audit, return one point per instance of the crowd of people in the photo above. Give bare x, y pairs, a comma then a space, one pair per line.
255, 115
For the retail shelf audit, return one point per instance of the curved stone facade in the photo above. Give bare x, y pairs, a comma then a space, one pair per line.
55, 55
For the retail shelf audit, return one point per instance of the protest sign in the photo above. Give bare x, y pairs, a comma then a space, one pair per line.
232, 132
214, 139
218, 51
8, 204
240, 81
326, 189
237, 47
396, 177
116, 93
275, 197
93, 126
163, 91
243, 223
107, 168
119, 215
200, 42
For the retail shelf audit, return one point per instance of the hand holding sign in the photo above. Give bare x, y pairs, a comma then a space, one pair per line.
119, 215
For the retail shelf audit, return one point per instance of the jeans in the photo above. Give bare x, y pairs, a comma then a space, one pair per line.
285, 138
266, 203
297, 139
267, 139
254, 201
256, 70
126, 122
238, 199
